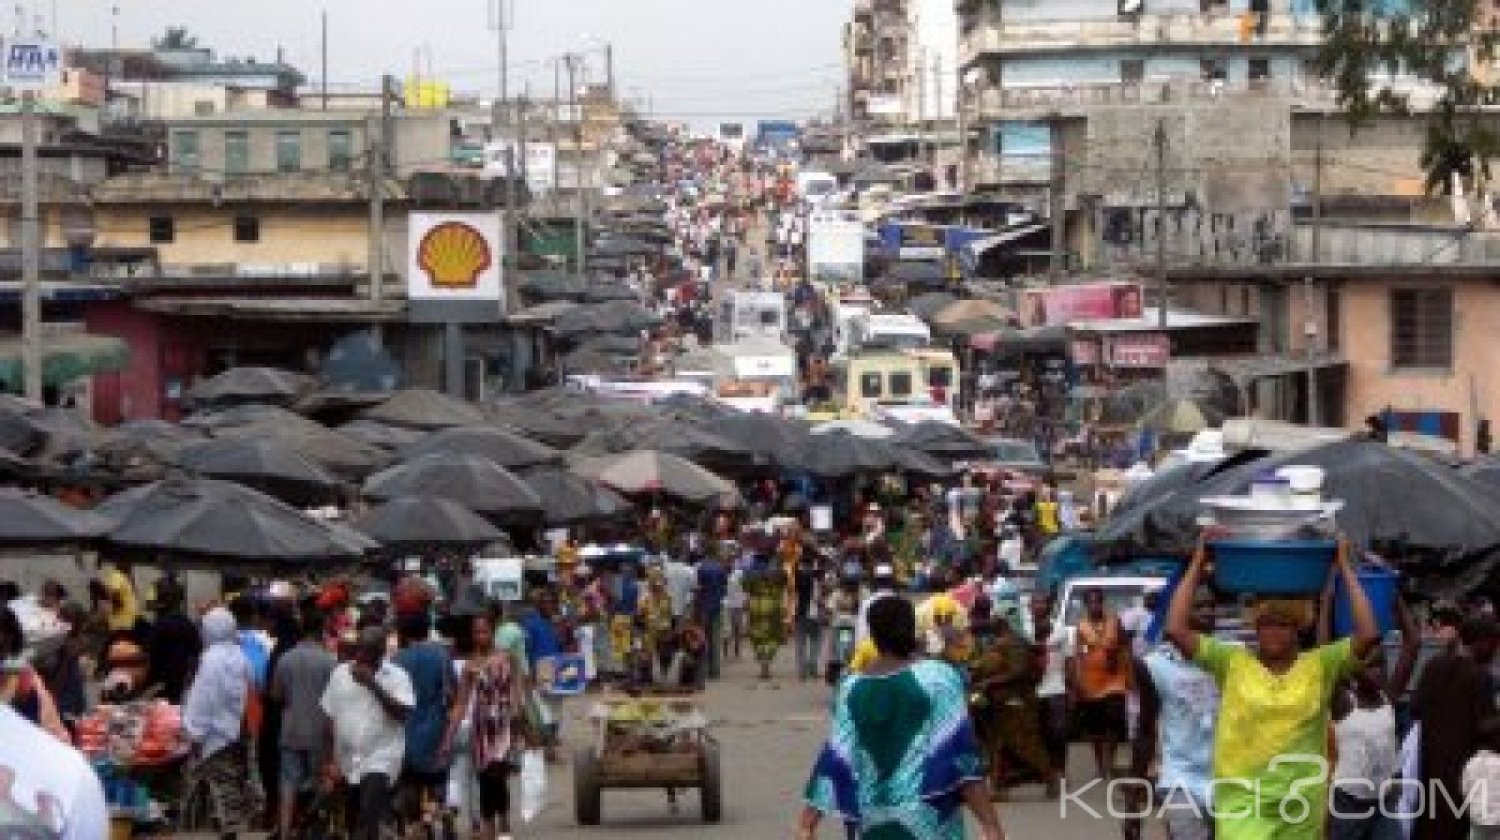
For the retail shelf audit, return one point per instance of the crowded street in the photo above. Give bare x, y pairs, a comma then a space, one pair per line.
431, 460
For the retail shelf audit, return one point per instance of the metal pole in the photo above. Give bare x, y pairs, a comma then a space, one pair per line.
31, 254
376, 169
1159, 139
1311, 333
325, 60
580, 238
1057, 207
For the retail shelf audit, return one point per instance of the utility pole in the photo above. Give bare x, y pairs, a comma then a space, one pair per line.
1159, 140
324, 84
580, 217
1311, 334
609, 69
1058, 206
31, 254
937, 107
1317, 197
379, 159
921, 80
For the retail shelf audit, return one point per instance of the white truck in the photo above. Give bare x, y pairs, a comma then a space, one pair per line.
744, 314
882, 331
835, 247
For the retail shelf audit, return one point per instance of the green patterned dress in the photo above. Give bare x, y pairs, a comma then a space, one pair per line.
765, 589
901, 750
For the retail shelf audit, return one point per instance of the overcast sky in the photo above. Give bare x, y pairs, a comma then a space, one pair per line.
696, 59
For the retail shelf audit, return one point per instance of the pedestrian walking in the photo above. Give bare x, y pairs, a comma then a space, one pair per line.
368, 701
424, 769
1101, 682
213, 719
1274, 703
297, 685
902, 758
809, 616
766, 588
487, 709
1455, 693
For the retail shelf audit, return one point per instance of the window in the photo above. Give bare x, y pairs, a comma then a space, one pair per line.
185, 152
288, 151
161, 230
1214, 69
1422, 328
901, 384
869, 386
236, 152
340, 150
940, 377
1133, 71
1260, 69
246, 229
203, 108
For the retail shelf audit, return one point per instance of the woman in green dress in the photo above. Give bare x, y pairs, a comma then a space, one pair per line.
1271, 737
766, 589
901, 762
1004, 705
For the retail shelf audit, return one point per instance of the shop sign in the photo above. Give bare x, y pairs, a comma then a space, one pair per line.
1139, 350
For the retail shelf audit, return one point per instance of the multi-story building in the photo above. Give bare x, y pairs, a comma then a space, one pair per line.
877, 44
166, 83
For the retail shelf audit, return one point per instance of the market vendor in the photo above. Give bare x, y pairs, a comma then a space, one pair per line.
1271, 733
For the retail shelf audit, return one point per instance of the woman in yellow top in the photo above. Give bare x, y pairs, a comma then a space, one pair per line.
1271, 736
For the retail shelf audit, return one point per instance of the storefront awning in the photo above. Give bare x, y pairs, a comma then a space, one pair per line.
64, 359
978, 247
1251, 368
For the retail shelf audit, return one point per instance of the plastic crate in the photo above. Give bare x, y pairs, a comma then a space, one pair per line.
1382, 586
1272, 567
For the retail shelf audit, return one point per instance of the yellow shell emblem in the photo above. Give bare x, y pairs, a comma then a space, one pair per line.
454, 255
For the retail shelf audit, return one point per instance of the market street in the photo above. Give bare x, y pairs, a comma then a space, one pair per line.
770, 733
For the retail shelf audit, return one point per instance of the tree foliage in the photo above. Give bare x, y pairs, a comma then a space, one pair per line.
175, 38
1368, 43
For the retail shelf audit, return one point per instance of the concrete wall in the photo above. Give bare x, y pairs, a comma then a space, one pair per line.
1469, 385
933, 53
324, 234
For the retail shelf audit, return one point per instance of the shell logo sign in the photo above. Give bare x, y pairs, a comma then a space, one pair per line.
454, 257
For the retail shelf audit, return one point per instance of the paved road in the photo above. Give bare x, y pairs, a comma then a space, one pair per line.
769, 734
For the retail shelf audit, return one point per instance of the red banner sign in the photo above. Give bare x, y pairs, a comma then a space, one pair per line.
1063, 305
1138, 350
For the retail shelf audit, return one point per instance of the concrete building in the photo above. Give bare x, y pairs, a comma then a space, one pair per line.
156, 83
877, 43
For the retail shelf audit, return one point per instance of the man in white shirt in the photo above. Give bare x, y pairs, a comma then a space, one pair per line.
681, 579
46, 787
367, 702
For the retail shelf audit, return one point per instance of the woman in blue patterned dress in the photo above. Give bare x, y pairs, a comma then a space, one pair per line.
902, 760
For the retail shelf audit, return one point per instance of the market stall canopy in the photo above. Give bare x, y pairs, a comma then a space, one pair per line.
420, 408
220, 520
547, 285
144, 444
569, 498
1181, 416
773, 439
840, 454
608, 292
382, 435
66, 433
250, 384
972, 310
267, 463
1433, 523
684, 440
343, 455
624, 317
636, 473
473, 482
868, 429
426, 520
29, 518
360, 363
943, 440
503, 448
1276, 436
928, 304
65, 357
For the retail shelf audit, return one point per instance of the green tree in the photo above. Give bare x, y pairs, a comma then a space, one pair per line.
1435, 41
175, 38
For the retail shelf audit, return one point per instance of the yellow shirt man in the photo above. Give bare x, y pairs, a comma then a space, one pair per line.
123, 611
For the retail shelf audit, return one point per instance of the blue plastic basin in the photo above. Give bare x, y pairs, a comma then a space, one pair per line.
1381, 587
1272, 567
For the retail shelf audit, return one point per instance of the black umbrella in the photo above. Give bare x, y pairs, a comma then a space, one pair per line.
343, 455
685, 440
1425, 517
358, 362
622, 317
839, 454
381, 434
28, 518
774, 440
17, 433
471, 481
415, 520
606, 292
568, 498
552, 285
268, 464
208, 518
943, 441
251, 384
65, 432
419, 408
506, 449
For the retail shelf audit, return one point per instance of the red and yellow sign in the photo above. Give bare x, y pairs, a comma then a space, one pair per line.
453, 255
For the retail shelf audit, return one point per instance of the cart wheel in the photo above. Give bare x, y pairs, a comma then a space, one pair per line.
711, 794
586, 786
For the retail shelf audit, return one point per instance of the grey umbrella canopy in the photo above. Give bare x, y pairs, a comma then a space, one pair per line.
208, 518
382, 435
501, 447
426, 520
28, 518
942, 440
345, 456
251, 384
569, 498
474, 482
419, 408
774, 440
658, 472
684, 440
840, 454
623, 317
266, 463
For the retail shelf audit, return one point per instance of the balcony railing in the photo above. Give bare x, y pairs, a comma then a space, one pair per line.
1215, 29
1021, 102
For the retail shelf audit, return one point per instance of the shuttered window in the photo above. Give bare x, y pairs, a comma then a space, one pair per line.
1422, 328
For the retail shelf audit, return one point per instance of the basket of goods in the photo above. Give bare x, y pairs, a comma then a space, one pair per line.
1278, 540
